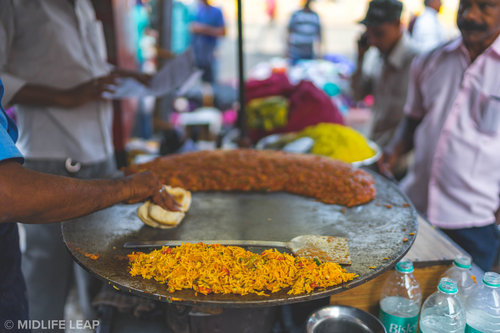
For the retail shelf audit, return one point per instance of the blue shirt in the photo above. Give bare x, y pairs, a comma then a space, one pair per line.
13, 304
203, 45
8, 134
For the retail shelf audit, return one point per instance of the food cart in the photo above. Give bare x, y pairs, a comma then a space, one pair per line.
379, 233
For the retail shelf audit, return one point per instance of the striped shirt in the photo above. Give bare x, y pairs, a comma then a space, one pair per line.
304, 30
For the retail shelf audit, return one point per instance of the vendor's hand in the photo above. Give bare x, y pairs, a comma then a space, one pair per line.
163, 199
146, 185
197, 28
139, 76
390, 156
92, 90
385, 163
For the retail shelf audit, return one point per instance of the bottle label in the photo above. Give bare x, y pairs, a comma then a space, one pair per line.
395, 324
469, 329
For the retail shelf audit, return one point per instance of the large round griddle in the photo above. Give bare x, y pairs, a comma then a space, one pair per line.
379, 233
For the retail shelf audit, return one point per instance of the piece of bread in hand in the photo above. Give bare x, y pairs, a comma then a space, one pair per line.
157, 217
165, 217
182, 196
143, 214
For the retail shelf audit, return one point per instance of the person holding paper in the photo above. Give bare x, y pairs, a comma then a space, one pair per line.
53, 65
34, 197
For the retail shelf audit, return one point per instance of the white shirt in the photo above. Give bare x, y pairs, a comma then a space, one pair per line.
428, 31
386, 78
455, 179
55, 44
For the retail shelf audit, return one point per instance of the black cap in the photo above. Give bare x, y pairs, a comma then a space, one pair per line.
382, 11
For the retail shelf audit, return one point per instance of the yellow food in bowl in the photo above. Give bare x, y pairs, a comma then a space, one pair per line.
338, 142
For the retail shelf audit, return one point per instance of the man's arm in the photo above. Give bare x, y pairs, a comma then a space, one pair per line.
204, 29
143, 78
401, 143
361, 84
33, 197
39, 95
92, 90
415, 111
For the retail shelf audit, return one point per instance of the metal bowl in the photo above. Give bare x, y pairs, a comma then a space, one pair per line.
268, 140
370, 160
341, 319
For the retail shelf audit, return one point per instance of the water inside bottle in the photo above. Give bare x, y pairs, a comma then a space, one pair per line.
399, 306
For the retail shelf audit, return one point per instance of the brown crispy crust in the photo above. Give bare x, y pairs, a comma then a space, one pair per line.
329, 181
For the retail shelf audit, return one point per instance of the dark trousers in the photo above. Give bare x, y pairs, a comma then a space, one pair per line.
13, 302
482, 243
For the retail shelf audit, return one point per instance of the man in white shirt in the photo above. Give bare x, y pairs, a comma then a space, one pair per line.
427, 32
53, 65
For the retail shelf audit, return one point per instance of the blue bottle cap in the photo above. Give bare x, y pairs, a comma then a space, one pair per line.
405, 266
448, 286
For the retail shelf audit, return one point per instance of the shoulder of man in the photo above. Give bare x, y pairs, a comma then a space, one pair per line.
428, 60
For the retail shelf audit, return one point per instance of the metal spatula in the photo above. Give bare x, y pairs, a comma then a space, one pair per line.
325, 248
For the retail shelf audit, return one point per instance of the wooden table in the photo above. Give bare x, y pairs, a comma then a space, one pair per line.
432, 254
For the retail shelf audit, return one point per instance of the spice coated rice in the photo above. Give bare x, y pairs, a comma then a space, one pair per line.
231, 269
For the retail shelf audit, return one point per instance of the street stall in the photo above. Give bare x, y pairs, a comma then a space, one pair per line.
379, 234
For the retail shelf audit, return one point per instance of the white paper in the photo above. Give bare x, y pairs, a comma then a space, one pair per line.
179, 73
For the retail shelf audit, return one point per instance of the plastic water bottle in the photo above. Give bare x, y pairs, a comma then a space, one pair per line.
443, 312
483, 306
461, 272
400, 300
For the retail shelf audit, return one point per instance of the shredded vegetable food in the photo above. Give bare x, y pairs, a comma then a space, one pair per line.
231, 269
338, 142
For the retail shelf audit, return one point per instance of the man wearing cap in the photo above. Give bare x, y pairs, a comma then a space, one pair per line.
452, 121
387, 76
